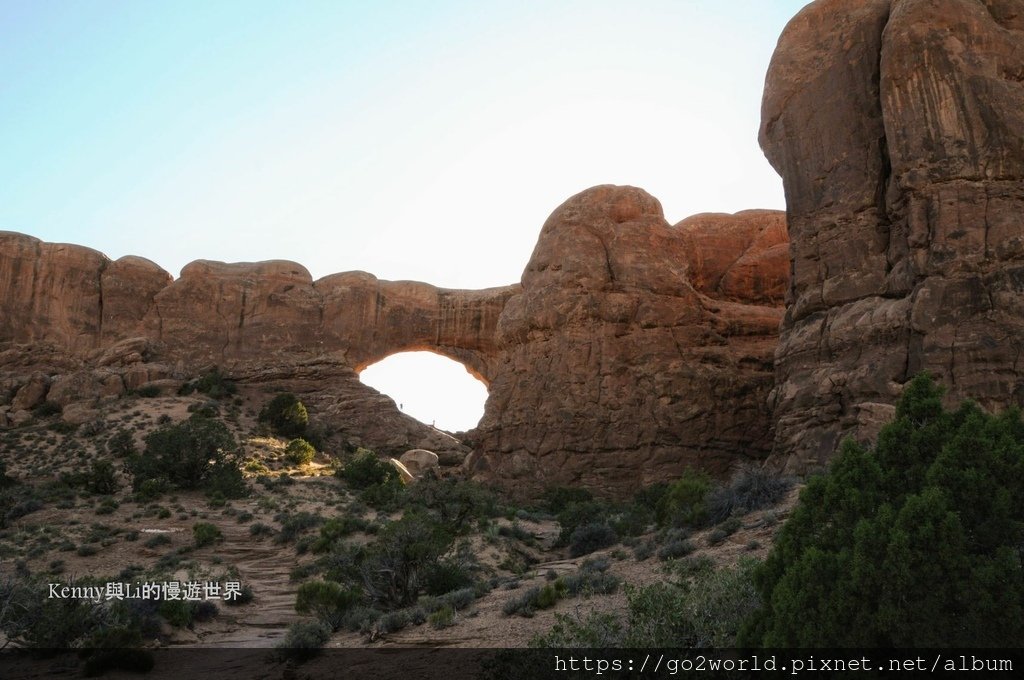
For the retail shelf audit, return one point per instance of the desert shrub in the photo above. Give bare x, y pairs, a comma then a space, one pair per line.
151, 489
538, 597
47, 409
46, 623
704, 611
294, 524
157, 540
107, 506
516, 532
395, 566
915, 542
204, 533
716, 536
392, 622
5, 479
186, 613
362, 619
101, 478
18, 509
445, 576
366, 469
575, 515
299, 452
590, 537
684, 501
327, 600
442, 618
245, 596
188, 455
644, 550
591, 583
225, 480
286, 415
336, 528
304, 640
676, 543
558, 498
632, 520
260, 529
751, 488
148, 391
455, 503
213, 384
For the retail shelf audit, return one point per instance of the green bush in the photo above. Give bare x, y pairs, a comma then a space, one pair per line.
47, 409
558, 498
751, 488
185, 455
294, 524
392, 622
299, 452
204, 533
101, 478
148, 391
590, 537
366, 469
683, 504
442, 618
122, 444
304, 640
915, 542
396, 565
335, 529
213, 384
454, 503
703, 611
538, 597
575, 515
286, 415
446, 576
327, 600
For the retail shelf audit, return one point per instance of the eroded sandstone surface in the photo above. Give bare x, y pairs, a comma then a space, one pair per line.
618, 371
898, 129
631, 350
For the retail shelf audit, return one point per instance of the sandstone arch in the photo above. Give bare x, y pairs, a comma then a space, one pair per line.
631, 349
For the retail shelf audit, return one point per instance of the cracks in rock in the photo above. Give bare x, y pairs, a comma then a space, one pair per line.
99, 288
607, 253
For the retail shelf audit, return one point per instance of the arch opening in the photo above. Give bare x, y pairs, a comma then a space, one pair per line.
430, 387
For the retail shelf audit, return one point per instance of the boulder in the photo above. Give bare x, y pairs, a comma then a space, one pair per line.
419, 461
32, 393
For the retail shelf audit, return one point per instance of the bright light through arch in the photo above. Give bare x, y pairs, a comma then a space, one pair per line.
431, 388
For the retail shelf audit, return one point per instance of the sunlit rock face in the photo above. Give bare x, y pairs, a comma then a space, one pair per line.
631, 349
635, 349
898, 129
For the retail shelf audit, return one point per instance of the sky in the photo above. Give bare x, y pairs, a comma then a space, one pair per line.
413, 140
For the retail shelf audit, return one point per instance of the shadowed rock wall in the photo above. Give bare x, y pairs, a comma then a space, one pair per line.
898, 129
617, 370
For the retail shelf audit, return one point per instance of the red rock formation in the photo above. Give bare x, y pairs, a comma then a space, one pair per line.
617, 372
898, 129
606, 367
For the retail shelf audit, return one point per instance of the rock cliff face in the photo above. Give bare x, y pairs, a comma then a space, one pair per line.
80, 328
631, 350
898, 129
617, 370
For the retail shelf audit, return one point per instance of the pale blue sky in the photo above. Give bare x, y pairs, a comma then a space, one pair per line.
413, 140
